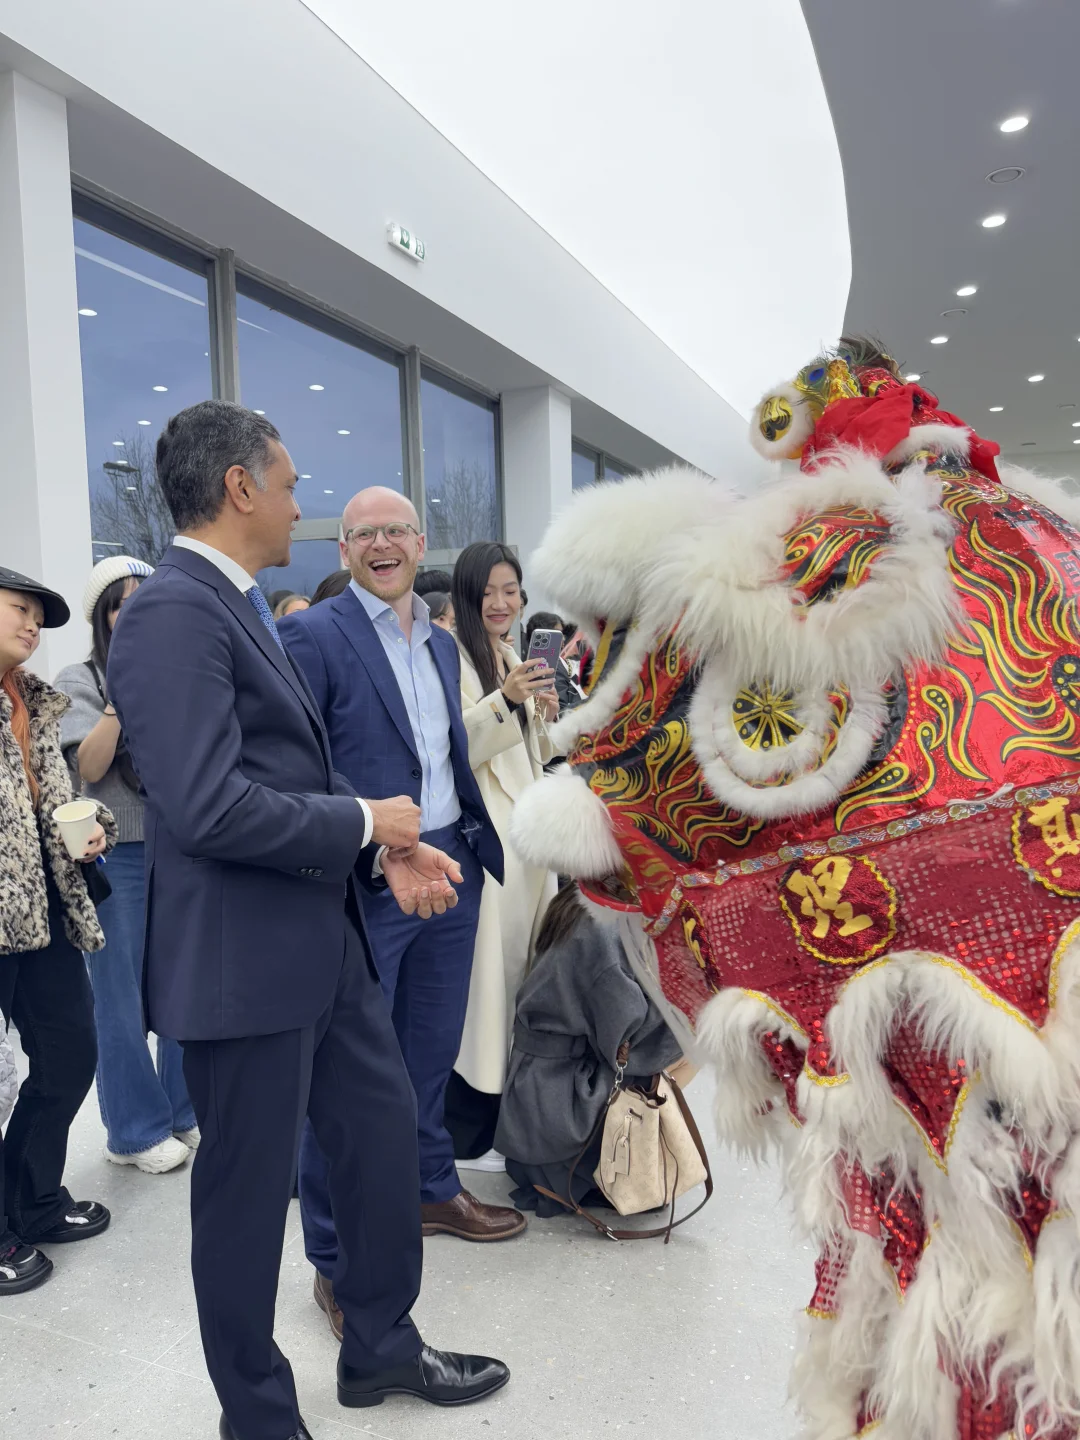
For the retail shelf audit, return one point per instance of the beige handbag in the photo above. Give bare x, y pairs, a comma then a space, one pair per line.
651, 1153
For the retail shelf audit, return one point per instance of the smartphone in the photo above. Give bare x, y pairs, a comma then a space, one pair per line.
546, 645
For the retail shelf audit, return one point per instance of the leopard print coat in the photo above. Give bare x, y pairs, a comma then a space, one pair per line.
24, 910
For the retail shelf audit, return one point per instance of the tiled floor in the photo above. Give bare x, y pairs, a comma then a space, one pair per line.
686, 1342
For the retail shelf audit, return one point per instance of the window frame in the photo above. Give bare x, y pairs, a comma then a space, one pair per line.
600, 460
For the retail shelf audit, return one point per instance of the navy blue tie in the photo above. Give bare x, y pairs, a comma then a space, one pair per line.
262, 610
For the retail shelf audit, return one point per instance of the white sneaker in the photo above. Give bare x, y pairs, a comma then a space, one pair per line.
492, 1163
190, 1138
166, 1155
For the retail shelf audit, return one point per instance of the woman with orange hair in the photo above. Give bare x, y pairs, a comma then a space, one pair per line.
46, 918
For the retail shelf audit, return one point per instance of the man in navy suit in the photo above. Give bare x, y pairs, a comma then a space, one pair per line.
256, 955
388, 684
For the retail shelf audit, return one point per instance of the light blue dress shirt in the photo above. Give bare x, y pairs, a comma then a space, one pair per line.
425, 702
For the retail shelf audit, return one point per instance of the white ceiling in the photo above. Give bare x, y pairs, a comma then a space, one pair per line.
662, 146
918, 89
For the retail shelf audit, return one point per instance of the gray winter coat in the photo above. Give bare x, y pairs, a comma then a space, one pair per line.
24, 852
576, 1006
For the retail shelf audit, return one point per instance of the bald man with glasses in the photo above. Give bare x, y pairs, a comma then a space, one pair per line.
388, 684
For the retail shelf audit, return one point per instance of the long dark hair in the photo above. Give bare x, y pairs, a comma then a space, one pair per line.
471, 574
111, 598
562, 918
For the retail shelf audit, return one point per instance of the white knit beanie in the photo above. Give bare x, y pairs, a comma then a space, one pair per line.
105, 572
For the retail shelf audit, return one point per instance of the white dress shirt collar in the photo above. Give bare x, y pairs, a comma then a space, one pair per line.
228, 567
375, 607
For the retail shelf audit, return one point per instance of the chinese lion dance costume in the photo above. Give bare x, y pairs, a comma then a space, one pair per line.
828, 774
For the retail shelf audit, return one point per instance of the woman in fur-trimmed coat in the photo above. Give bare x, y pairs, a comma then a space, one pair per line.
46, 919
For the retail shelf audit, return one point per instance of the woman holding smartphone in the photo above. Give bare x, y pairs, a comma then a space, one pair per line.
506, 705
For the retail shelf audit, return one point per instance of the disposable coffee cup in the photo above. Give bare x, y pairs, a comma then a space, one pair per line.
77, 821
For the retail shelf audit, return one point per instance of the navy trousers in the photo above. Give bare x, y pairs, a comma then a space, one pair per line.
251, 1096
424, 967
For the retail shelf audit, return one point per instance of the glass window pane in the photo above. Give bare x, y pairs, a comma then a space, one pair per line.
338, 406
145, 335
460, 467
310, 562
583, 463
613, 471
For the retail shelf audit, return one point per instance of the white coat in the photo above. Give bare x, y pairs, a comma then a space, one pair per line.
505, 761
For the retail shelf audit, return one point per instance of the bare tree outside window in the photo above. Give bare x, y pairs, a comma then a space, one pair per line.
464, 509
128, 513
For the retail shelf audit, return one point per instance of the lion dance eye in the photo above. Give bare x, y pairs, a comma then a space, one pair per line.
775, 417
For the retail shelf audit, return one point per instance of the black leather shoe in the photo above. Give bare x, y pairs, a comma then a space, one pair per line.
226, 1432
83, 1219
22, 1268
439, 1376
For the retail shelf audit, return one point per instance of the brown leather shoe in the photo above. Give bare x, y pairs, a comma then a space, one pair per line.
324, 1298
469, 1219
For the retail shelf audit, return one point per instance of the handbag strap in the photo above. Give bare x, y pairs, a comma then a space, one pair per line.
695, 1135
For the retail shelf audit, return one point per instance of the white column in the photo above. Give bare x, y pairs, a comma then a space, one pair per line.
537, 472
45, 531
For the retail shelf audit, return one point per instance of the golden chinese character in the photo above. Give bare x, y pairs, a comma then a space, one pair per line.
1052, 818
821, 891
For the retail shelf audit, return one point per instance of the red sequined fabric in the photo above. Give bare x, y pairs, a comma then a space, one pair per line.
960, 841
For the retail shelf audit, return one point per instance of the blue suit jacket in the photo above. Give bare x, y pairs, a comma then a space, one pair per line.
340, 653
251, 837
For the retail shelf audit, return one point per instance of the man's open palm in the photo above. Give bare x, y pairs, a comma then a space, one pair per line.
420, 881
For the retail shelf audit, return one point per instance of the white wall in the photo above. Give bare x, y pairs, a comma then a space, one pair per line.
267, 96
1062, 466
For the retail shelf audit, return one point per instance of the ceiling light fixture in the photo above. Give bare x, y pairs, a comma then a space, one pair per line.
119, 443
967, 290
1076, 424
1014, 123
327, 492
1034, 379
258, 412
939, 339
344, 432
993, 221
316, 387
87, 311
913, 376
1005, 176
131, 487
142, 422
995, 409
1025, 443
957, 310
305, 477
161, 389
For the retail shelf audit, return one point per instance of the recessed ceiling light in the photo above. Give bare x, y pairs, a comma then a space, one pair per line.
913, 376
119, 444
87, 311
995, 408
957, 310
939, 339
142, 422
131, 487
967, 290
1034, 379
1076, 424
327, 492
993, 221
344, 432
316, 387
161, 389
1027, 442
1076, 442
305, 477
1014, 123
1005, 176
258, 412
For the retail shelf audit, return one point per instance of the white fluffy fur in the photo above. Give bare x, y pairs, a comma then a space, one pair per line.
596, 550
808, 786
1057, 1322
804, 417
729, 1031
940, 438
559, 824
723, 580
1049, 493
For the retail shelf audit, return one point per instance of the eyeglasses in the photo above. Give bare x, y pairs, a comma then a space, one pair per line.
365, 534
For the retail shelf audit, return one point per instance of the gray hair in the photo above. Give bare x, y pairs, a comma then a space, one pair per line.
198, 446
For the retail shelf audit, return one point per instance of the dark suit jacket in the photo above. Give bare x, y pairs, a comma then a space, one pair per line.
340, 653
251, 837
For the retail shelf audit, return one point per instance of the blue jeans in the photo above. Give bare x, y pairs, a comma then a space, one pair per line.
140, 1105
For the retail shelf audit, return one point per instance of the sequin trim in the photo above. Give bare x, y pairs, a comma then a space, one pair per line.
826, 1080
983, 991
779, 1011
